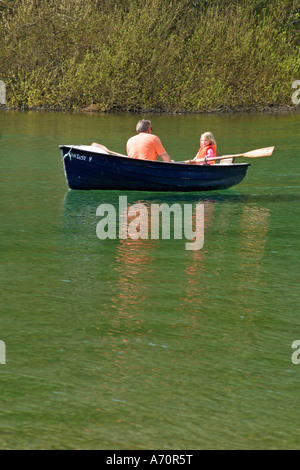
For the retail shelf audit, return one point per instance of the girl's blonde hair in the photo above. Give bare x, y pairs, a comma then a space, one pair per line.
210, 137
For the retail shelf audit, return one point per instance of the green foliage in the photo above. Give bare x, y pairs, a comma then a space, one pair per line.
177, 55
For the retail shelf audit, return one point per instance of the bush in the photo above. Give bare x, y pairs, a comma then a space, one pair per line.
177, 55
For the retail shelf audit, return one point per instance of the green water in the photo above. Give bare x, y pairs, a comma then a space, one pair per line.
142, 344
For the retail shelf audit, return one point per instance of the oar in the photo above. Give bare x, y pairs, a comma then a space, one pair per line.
264, 152
94, 144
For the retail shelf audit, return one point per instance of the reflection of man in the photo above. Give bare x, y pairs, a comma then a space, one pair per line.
145, 145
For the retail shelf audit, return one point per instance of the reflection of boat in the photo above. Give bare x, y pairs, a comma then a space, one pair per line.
88, 167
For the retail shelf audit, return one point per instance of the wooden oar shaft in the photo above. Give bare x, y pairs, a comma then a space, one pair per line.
107, 150
264, 152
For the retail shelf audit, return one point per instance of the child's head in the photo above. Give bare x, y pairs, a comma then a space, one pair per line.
207, 139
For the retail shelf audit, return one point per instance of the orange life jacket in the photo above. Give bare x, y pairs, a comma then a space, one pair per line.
203, 151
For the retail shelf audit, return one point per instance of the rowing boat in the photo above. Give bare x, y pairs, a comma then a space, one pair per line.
88, 167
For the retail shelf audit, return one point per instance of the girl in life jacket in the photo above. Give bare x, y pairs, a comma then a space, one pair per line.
208, 148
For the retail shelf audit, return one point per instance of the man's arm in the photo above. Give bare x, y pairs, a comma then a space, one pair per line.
166, 157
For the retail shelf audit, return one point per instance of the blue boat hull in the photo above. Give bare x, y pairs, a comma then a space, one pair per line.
90, 169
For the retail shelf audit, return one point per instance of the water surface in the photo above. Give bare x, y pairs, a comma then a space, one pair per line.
142, 344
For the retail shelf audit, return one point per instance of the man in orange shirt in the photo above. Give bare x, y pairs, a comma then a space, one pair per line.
145, 145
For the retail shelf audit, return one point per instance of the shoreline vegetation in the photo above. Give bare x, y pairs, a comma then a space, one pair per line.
92, 110
167, 56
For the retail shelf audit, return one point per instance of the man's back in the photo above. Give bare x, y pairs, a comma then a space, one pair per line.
144, 146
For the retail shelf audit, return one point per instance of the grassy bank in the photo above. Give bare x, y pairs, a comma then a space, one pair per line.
177, 55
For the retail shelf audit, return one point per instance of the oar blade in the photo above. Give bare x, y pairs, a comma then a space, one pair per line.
264, 152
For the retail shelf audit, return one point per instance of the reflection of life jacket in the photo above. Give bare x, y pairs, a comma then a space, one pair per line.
203, 151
